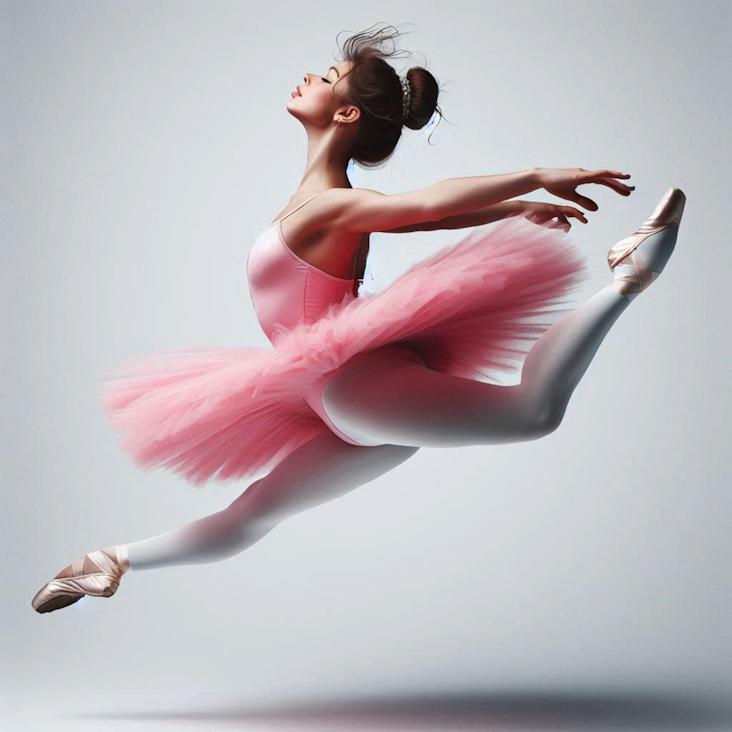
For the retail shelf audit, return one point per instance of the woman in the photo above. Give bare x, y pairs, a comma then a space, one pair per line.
355, 385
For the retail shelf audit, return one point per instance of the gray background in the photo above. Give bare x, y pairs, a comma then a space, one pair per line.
556, 583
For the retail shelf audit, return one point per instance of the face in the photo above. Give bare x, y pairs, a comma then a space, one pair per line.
319, 100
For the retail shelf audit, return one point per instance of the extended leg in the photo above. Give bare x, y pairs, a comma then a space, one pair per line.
322, 469
402, 403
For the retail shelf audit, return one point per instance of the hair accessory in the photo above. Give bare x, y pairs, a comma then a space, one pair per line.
405, 96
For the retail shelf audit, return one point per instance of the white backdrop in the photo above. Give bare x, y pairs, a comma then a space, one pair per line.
542, 583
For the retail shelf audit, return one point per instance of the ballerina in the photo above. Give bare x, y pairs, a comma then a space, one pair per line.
355, 384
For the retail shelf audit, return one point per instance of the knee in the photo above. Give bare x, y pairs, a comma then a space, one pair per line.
547, 419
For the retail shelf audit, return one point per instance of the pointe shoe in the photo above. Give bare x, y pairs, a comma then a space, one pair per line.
642, 256
65, 589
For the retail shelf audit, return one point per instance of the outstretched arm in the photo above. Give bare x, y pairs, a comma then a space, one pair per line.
361, 210
479, 217
454, 196
538, 212
460, 195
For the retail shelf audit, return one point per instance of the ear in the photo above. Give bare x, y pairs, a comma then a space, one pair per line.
348, 115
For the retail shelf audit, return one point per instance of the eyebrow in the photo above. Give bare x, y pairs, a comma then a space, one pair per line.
334, 69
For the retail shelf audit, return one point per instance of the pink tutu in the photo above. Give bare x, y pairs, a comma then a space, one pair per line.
472, 309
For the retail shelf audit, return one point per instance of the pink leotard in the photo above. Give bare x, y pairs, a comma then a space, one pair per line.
286, 290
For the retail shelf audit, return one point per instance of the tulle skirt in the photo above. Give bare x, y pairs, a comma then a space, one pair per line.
472, 309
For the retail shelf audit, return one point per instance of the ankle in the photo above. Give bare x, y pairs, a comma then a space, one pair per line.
625, 282
620, 292
118, 553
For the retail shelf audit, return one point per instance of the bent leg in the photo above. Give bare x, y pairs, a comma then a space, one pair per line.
322, 469
400, 402
403, 403
559, 359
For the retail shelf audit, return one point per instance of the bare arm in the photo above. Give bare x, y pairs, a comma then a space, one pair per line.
455, 196
479, 217
360, 210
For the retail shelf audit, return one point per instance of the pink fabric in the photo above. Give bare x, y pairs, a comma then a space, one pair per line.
472, 309
286, 290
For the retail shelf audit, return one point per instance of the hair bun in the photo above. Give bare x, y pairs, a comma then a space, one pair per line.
423, 93
388, 102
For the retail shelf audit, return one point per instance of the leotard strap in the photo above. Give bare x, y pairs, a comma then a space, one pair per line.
327, 274
294, 209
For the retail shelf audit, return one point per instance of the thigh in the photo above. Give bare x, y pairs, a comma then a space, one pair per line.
322, 469
398, 402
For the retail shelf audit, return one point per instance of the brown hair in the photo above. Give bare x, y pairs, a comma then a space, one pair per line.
375, 88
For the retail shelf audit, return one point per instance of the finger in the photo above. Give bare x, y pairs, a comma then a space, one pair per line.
591, 176
548, 222
558, 221
569, 211
581, 200
587, 202
616, 185
614, 174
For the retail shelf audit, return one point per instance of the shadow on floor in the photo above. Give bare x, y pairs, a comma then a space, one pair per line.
528, 710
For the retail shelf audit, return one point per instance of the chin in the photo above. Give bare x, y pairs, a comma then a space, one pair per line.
296, 114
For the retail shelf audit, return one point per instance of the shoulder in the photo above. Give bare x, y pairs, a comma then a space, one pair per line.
340, 207
347, 196
361, 210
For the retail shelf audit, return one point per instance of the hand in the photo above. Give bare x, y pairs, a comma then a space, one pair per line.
563, 181
545, 214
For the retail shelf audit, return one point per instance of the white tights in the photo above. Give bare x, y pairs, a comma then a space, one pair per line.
397, 406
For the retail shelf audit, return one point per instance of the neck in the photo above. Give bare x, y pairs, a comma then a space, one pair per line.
326, 162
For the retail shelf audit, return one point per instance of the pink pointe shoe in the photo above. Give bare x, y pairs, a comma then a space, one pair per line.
97, 574
638, 260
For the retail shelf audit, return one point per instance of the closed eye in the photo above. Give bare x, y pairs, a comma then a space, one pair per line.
324, 79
